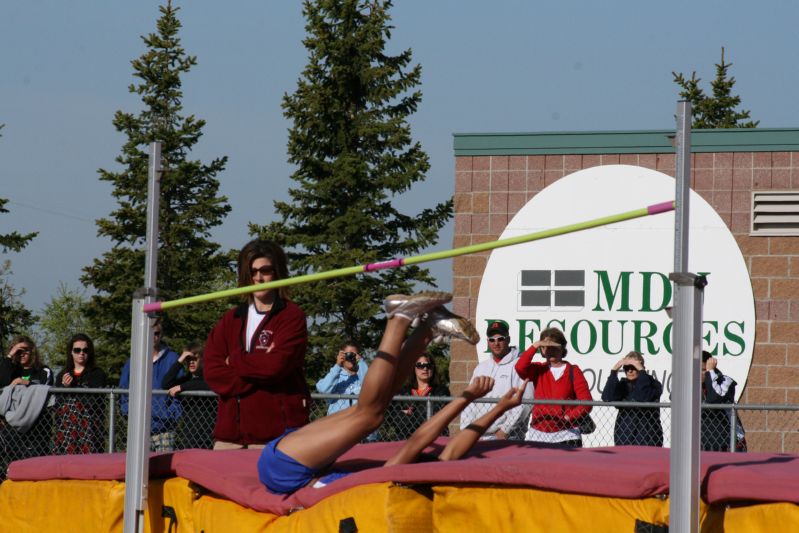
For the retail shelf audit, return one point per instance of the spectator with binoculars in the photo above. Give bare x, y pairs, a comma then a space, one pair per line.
345, 377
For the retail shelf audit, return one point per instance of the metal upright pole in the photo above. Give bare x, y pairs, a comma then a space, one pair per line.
687, 350
137, 464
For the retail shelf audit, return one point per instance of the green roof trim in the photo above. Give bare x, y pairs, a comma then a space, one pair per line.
625, 142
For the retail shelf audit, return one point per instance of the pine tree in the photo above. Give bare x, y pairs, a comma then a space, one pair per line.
188, 262
352, 148
718, 110
15, 318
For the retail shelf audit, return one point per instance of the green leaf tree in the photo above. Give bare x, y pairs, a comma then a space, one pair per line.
190, 206
719, 109
354, 155
60, 319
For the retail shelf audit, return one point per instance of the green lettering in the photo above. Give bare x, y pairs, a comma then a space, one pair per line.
646, 297
734, 338
575, 335
603, 286
606, 336
640, 336
667, 337
710, 345
531, 336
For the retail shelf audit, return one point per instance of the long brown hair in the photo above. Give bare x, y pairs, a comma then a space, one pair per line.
36, 361
70, 365
255, 249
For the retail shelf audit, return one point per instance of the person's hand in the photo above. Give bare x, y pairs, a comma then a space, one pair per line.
184, 355
501, 435
513, 397
67, 379
479, 387
340, 358
174, 391
20, 381
539, 344
13, 350
711, 364
620, 363
408, 411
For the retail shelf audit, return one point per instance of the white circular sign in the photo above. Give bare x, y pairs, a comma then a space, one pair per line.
607, 288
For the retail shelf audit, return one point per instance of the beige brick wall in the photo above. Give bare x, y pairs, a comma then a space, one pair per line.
490, 190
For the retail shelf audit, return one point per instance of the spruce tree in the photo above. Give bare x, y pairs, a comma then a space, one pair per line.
351, 145
15, 318
718, 110
189, 262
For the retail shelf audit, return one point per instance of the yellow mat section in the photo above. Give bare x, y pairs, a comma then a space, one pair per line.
97, 506
755, 518
462, 508
378, 508
80, 506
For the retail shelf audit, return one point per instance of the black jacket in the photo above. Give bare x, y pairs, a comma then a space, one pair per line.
638, 426
90, 378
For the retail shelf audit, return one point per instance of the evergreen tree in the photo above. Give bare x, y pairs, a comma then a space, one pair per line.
15, 318
352, 148
718, 110
190, 206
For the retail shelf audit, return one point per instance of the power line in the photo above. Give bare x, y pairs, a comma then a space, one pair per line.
52, 212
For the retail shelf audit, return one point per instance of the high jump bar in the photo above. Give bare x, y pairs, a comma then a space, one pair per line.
653, 209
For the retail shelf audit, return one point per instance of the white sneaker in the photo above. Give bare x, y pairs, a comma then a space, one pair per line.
446, 324
414, 305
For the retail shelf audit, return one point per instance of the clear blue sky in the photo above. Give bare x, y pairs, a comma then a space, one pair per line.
487, 67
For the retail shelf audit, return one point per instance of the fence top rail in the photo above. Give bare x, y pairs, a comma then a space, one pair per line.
442, 399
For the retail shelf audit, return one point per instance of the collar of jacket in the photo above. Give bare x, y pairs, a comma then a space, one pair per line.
278, 305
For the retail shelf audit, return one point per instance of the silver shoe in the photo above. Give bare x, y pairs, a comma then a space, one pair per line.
414, 305
444, 323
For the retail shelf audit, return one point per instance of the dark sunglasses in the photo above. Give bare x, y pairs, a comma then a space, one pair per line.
497, 339
80, 350
156, 333
629, 368
264, 270
424, 366
23, 351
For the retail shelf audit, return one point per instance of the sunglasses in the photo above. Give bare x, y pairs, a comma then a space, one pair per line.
497, 339
424, 366
629, 368
264, 271
80, 350
23, 351
156, 333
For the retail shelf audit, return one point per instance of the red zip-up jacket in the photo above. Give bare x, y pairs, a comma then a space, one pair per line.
550, 418
261, 392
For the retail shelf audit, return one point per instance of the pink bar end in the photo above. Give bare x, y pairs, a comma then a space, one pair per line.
660, 208
152, 307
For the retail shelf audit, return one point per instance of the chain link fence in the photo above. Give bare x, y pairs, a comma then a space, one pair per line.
91, 421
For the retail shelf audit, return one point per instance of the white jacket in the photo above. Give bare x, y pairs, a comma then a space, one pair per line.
513, 422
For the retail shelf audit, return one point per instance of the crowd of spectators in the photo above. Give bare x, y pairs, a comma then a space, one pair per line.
254, 362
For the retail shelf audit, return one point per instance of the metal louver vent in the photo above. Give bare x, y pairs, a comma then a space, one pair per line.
775, 213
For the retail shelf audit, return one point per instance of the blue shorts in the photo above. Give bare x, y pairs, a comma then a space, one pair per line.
280, 473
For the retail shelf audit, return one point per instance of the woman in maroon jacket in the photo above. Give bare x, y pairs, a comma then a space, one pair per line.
554, 379
255, 357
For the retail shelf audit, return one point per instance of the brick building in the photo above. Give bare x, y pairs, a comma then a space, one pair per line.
739, 172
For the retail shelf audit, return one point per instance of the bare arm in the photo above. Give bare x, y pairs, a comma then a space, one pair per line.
463, 441
432, 428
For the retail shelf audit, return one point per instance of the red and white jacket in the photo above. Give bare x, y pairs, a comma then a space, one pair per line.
552, 418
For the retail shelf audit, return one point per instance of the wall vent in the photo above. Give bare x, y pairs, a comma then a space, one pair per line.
775, 213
